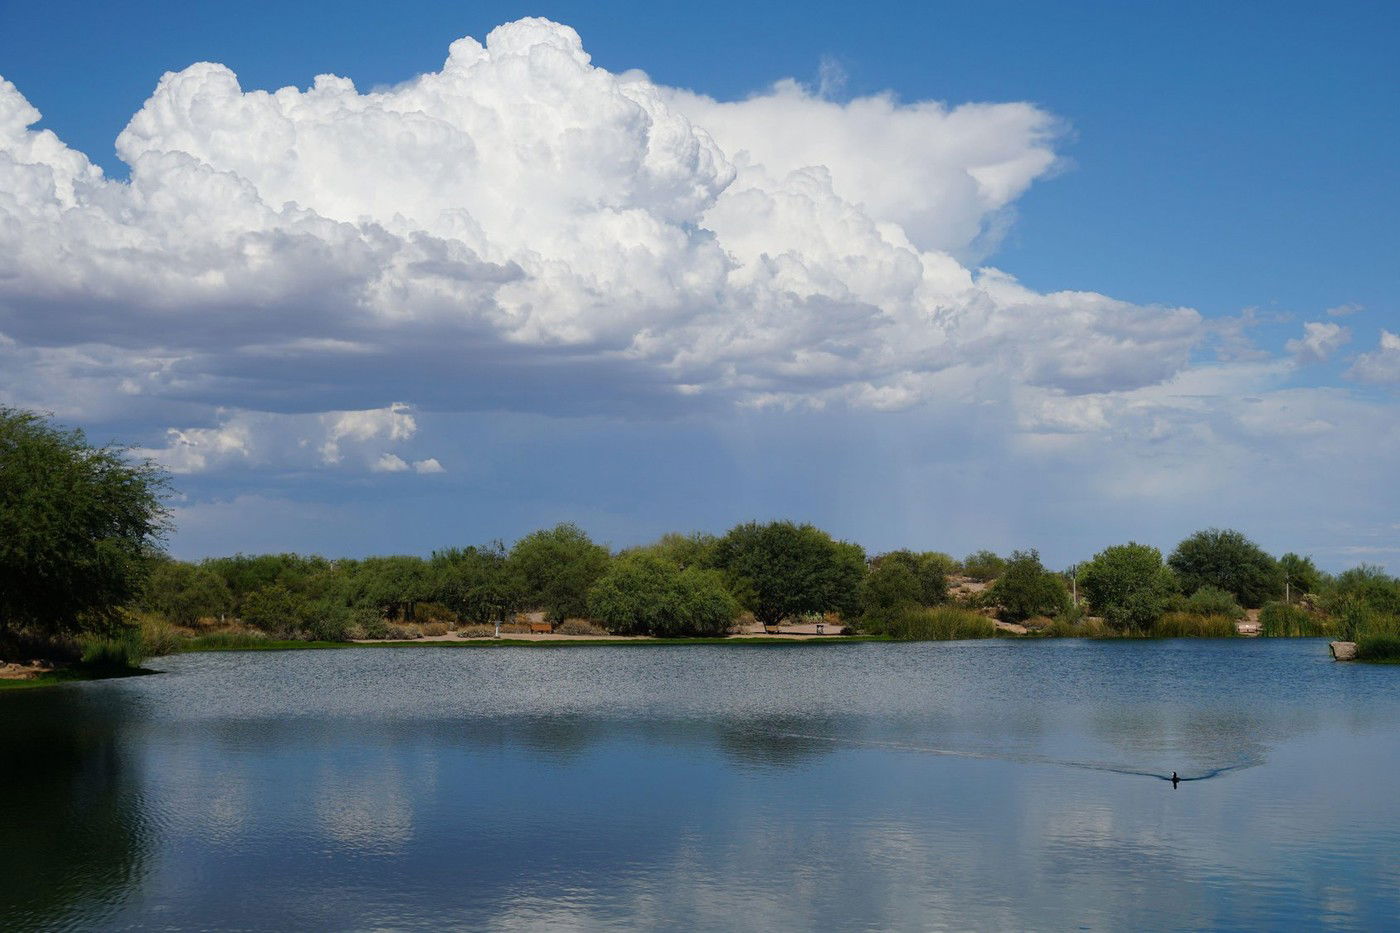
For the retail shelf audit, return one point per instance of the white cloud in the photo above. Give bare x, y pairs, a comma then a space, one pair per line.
523, 231
1319, 341
348, 439
389, 463
1381, 365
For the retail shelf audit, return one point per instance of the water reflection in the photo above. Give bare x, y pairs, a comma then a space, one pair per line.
76, 830
994, 786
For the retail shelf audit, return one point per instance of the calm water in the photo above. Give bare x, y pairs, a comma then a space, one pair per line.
987, 785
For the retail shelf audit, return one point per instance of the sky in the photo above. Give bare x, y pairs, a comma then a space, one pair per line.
382, 278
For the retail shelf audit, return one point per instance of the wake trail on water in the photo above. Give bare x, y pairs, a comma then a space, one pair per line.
1023, 758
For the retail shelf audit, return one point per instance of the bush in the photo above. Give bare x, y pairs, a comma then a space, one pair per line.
111, 654
983, 566
1025, 588
645, 594
398, 632
941, 623
579, 627
476, 631
1280, 620
1194, 625
432, 629
926, 583
1212, 601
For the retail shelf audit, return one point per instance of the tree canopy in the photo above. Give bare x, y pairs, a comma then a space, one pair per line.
781, 569
1127, 584
1025, 588
643, 593
78, 526
1227, 560
557, 567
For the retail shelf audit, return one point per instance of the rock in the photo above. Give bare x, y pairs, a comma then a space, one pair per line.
1343, 650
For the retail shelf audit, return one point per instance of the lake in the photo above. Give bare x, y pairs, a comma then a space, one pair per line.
987, 785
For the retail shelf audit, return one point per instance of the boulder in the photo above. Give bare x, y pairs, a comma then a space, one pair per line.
1343, 650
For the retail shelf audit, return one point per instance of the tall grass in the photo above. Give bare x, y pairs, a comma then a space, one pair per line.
941, 623
111, 654
1066, 626
1379, 648
159, 638
1191, 625
225, 641
1280, 620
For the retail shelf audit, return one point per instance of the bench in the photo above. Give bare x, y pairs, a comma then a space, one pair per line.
543, 628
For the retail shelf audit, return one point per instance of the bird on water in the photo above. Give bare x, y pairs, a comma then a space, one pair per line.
1175, 780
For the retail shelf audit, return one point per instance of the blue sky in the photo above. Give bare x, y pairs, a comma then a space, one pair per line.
1234, 159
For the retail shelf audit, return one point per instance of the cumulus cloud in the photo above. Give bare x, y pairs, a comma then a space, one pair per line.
1381, 365
520, 230
1319, 341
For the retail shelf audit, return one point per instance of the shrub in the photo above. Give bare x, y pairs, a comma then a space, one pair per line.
941, 623
403, 632
433, 629
983, 566
890, 586
477, 631
928, 572
1025, 588
645, 594
111, 654
1127, 585
1280, 620
579, 627
1212, 601
1194, 625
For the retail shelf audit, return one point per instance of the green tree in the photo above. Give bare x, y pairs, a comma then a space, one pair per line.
781, 569
692, 550
1128, 585
983, 565
889, 587
557, 567
643, 593
78, 526
929, 568
1227, 560
476, 583
1368, 587
1025, 588
391, 585
185, 593
1301, 574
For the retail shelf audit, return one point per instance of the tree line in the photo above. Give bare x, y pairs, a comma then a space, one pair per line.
81, 533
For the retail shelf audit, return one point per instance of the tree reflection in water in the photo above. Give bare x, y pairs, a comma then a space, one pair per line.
70, 804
